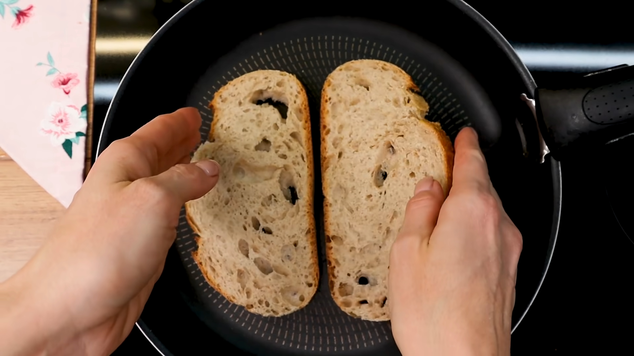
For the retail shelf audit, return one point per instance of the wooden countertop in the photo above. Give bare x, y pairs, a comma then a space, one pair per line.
27, 211
27, 214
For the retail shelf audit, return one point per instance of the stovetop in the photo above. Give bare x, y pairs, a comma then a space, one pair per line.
586, 293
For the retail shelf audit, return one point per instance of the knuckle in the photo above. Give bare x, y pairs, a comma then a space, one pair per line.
151, 191
186, 171
122, 149
482, 208
470, 155
486, 203
168, 116
422, 200
162, 117
403, 245
516, 242
121, 145
489, 202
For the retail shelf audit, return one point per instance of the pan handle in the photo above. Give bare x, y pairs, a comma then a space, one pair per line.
599, 108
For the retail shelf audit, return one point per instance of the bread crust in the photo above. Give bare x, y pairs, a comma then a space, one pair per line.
441, 136
307, 144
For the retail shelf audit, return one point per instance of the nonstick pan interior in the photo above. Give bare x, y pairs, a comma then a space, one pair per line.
161, 79
311, 49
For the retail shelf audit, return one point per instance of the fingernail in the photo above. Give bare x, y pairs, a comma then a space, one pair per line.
424, 185
474, 132
210, 168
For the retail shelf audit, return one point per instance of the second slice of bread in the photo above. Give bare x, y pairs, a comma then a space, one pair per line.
376, 145
256, 228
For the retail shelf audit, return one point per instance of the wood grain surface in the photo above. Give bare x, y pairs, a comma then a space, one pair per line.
27, 214
27, 211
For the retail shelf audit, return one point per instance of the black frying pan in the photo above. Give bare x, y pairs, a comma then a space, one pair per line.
466, 71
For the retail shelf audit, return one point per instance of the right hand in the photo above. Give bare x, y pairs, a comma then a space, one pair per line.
453, 265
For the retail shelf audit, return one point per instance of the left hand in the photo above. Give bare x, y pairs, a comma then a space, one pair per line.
85, 288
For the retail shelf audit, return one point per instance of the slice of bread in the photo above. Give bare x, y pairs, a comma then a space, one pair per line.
376, 145
256, 229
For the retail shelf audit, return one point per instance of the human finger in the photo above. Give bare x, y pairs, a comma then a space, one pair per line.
422, 211
184, 182
470, 168
169, 137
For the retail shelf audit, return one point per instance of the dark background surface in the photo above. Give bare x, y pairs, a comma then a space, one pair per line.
584, 303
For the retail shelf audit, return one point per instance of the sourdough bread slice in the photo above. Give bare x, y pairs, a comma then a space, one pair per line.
256, 230
376, 145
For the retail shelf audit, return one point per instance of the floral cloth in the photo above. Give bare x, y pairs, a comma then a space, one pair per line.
43, 90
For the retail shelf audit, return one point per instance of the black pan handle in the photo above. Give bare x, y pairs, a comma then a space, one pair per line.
599, 108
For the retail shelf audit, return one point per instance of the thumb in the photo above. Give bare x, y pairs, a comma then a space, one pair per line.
185, 182
422, 211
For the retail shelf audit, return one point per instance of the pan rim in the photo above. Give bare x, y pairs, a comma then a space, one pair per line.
147, 333
460, 5
555, 165
135, 63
